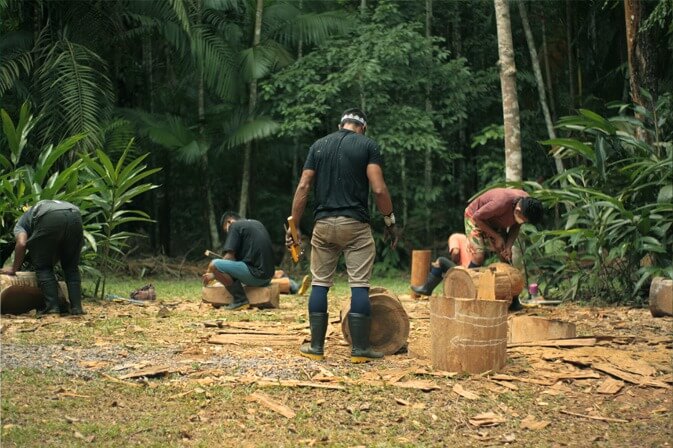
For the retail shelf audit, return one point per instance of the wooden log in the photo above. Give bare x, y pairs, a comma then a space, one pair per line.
516, 279
461, 282
389, 330
420, 267
283, 284
661, 297
260, 297
494, 285
532, 328
20, 293
468, 335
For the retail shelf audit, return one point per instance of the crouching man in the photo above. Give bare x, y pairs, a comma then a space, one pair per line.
248, 259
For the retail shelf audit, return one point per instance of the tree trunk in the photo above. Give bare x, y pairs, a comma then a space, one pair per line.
538, 78
460, 164
550, 90
428, 109
510, 102
571, 54
403, 178
214, 240
252, 104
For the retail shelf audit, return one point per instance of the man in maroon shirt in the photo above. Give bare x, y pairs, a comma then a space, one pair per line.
492, 222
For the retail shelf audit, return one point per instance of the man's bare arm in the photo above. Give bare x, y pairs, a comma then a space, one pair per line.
301, 194
381, 194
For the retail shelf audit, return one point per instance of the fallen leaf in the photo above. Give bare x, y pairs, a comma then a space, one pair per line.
458, 389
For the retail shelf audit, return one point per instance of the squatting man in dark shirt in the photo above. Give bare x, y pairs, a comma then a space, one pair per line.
51, 231
342, 166
248, 258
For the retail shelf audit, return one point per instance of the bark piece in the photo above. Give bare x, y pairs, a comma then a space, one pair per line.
260, 297
487, 419
610, 386
661, 297
268, 402
468, 335
532, 328
390, 326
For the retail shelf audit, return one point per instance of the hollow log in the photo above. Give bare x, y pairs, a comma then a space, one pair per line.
533, 328
389, 330
420, 266
661, 297
283, 284
20, 293
258, 296
468, 335
461, 282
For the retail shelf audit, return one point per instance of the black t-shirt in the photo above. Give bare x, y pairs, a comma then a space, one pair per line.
251, 244
340, 163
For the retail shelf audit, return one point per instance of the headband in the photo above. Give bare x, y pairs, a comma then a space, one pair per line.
354, 118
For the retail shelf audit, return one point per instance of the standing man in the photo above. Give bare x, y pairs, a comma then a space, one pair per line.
343, 165
248, 258
493, 220
51, 231
459, 257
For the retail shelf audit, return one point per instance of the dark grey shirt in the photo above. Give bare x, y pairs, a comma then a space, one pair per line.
27, 220
250, 242
340, 163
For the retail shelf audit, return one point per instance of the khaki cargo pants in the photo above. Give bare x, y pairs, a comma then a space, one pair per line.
337, 234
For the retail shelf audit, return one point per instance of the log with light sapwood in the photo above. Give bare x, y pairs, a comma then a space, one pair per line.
389, 330
379, 290
494, 285
461, 282
420, 267
661, 297
534, 328
468, 335
20, 293
283, 284
516, 278
258, 296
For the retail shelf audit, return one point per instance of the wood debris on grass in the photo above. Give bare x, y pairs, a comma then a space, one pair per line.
269, 403
530, 422
594, 417
147, 372
458, 389
486, 419
610, 386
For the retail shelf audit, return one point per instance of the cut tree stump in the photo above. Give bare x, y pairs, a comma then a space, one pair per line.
468, 335
420, 266
389, 330
20, 293
259, 296
661, 297
532, 328
460, 282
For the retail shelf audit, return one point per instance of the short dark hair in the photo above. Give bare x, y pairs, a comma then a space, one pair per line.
354, 111
531, 208
229, 214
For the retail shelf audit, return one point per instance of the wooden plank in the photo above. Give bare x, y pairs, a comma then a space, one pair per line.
629, 377
255, 339
577, 342
533, 328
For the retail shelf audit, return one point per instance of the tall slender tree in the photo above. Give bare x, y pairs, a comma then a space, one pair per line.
510, 100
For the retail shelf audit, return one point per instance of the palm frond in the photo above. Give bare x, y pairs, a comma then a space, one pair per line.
180, 12
259, 128
11, 68
216, 58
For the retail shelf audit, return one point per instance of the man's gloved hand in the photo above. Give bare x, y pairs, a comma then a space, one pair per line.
393, 233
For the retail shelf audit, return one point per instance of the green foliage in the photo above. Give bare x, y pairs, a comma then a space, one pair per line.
101, 188
617, 219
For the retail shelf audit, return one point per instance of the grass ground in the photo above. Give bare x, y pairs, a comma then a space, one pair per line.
63, 381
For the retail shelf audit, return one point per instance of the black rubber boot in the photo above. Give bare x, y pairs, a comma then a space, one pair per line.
47, 283
240, 300
359, 325
75, 297
316, 348
430, 284
515, 305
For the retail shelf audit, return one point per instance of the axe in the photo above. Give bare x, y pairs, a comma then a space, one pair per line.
294, 248
211, 254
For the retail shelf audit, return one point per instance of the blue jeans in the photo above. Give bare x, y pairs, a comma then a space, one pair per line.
238, 270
